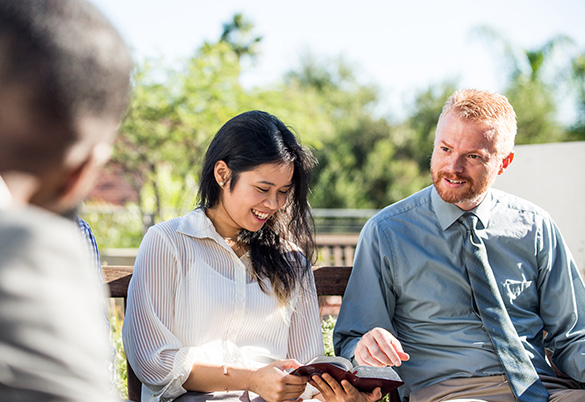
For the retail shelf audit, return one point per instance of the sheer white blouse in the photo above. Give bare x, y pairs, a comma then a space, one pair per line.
191, 299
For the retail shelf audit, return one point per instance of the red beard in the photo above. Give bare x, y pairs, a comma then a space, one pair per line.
468, 191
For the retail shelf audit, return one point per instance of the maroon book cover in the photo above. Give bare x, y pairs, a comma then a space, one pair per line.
364, 378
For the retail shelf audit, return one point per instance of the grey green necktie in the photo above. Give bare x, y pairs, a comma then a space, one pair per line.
520, 372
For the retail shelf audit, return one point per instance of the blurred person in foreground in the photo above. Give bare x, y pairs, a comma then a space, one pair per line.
462, 286
64, 86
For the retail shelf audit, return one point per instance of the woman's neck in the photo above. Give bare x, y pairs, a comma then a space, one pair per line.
225, 230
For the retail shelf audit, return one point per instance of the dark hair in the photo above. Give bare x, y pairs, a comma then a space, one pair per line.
249, 140
66, 61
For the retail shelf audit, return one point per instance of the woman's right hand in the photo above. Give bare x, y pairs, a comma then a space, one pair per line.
273, 384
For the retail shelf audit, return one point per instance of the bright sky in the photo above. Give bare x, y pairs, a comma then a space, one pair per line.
398, 45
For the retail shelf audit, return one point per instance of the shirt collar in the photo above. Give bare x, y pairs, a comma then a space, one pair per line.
448, 213
5, 195
197, 224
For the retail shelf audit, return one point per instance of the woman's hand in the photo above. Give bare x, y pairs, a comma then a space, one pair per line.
273, 384
332, 391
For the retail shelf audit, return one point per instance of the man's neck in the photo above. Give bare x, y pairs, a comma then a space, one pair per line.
5, 195
20, 187
468, 205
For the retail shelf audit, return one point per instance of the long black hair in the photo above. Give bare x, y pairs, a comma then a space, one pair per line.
245, 142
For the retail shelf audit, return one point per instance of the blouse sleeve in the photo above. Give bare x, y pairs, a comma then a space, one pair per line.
305, 338
155, 354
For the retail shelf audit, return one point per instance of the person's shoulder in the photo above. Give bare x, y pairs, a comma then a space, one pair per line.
194, 225
33, 222
29, 213
33, 240
174, 224
517, 204
403, 208
168, 225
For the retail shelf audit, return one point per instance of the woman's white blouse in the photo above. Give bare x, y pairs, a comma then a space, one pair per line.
191, 299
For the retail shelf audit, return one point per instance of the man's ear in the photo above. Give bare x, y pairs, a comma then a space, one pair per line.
79, 179
506, 162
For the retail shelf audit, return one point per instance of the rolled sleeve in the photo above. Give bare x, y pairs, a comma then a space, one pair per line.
156, 355
367, 303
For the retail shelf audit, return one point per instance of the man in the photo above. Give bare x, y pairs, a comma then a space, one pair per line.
64, 86
456, 284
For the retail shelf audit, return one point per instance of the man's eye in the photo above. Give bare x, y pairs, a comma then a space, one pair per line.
474, 156
444, 149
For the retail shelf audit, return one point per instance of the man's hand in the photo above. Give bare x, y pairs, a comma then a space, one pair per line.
332, 391
379, 348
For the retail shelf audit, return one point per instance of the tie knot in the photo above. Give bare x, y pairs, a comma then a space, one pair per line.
469, 220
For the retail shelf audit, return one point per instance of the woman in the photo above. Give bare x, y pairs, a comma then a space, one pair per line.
222, 301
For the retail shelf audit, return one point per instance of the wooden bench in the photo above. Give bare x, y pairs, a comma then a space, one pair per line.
329, 280
336, 249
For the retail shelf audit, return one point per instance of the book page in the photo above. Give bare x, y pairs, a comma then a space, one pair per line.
338, 361
376, 372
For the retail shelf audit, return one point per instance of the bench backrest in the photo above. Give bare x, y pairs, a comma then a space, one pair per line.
330, 281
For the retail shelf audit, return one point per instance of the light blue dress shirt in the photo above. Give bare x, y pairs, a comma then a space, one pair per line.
409, 277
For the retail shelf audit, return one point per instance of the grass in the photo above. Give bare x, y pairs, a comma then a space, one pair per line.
327, 325
121, 373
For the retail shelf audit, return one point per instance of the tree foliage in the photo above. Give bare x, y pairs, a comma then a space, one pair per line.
364, 160
533, 79
165, 134
577, 131
238, 33
360, 166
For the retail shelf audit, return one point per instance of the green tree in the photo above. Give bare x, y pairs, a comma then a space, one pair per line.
359, 166
533, 79
417, 133
578, 81
174, 114
169, 125
238, 33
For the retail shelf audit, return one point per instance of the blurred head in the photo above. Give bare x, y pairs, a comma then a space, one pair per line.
473, 145
64, 86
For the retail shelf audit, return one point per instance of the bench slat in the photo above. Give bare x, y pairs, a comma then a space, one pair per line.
117, 277
331, 281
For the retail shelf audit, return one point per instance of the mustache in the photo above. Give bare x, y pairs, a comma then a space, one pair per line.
454, 177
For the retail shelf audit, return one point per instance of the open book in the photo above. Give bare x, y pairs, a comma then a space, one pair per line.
364, 378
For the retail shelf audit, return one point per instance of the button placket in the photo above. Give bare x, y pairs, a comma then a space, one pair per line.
239, 299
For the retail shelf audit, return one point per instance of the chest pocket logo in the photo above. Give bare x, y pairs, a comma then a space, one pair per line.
513, 289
